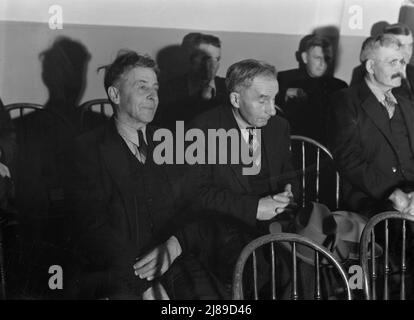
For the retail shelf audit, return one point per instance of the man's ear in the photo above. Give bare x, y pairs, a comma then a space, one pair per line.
113, 94
304, 57
235, 99
369, 66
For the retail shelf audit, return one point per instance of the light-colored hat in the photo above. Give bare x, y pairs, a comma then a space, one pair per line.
339, 232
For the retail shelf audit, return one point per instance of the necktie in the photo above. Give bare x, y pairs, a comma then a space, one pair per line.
142, 148
252, 144
389, 104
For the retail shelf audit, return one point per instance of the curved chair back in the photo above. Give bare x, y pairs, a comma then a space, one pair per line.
368, 263
96, 110
251, 251
39, 194
309, 148
20, 110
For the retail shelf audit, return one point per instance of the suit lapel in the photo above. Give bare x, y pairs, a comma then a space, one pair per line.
407, 110
269, 140
373, 109
229, 122
115, 156
410, 80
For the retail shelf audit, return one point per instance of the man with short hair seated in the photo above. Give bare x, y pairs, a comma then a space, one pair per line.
128, 209
306, 100
257, 182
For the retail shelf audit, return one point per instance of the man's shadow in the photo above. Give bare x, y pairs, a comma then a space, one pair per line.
172, 61
332, 34
44, 164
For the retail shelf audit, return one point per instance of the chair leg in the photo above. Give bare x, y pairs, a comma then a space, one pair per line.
2, 269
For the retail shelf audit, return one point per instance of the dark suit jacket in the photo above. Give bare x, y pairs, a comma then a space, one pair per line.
285, 78
307, 115
363, 147
107, 207
223, 188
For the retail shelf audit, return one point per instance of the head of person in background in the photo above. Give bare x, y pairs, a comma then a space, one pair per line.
384, 62
404, 35
204, 52
252, 86
301, 49
317, 56
131, 84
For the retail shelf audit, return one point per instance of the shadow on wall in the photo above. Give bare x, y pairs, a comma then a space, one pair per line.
172, 62
44, 170
332, 34
378, 27
406, 16
64, 67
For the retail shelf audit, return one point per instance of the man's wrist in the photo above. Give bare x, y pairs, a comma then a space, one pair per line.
174, 247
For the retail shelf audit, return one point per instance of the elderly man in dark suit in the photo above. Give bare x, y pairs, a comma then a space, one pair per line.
249, 200
252, 86
127, 204
372, 130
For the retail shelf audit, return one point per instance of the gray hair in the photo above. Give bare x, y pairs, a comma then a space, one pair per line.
242, 73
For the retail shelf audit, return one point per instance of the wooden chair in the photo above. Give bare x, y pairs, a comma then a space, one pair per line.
251, 251
94, 112
46, 210
368, 264
312, 148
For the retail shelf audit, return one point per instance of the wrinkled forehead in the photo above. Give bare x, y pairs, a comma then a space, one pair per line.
142, 74
264, 84
405, 39
389, 53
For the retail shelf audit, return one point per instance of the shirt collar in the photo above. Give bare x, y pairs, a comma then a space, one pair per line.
378, 93
243, 125
129, 133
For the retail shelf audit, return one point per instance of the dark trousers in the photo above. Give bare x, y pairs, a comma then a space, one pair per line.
189, 279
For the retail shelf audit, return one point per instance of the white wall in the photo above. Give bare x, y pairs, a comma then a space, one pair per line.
262, 16
264, 29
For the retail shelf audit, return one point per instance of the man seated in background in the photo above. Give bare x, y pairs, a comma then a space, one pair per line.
197, 91
306, 99
286, 77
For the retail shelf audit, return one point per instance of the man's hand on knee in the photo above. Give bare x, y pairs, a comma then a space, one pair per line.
158, 261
